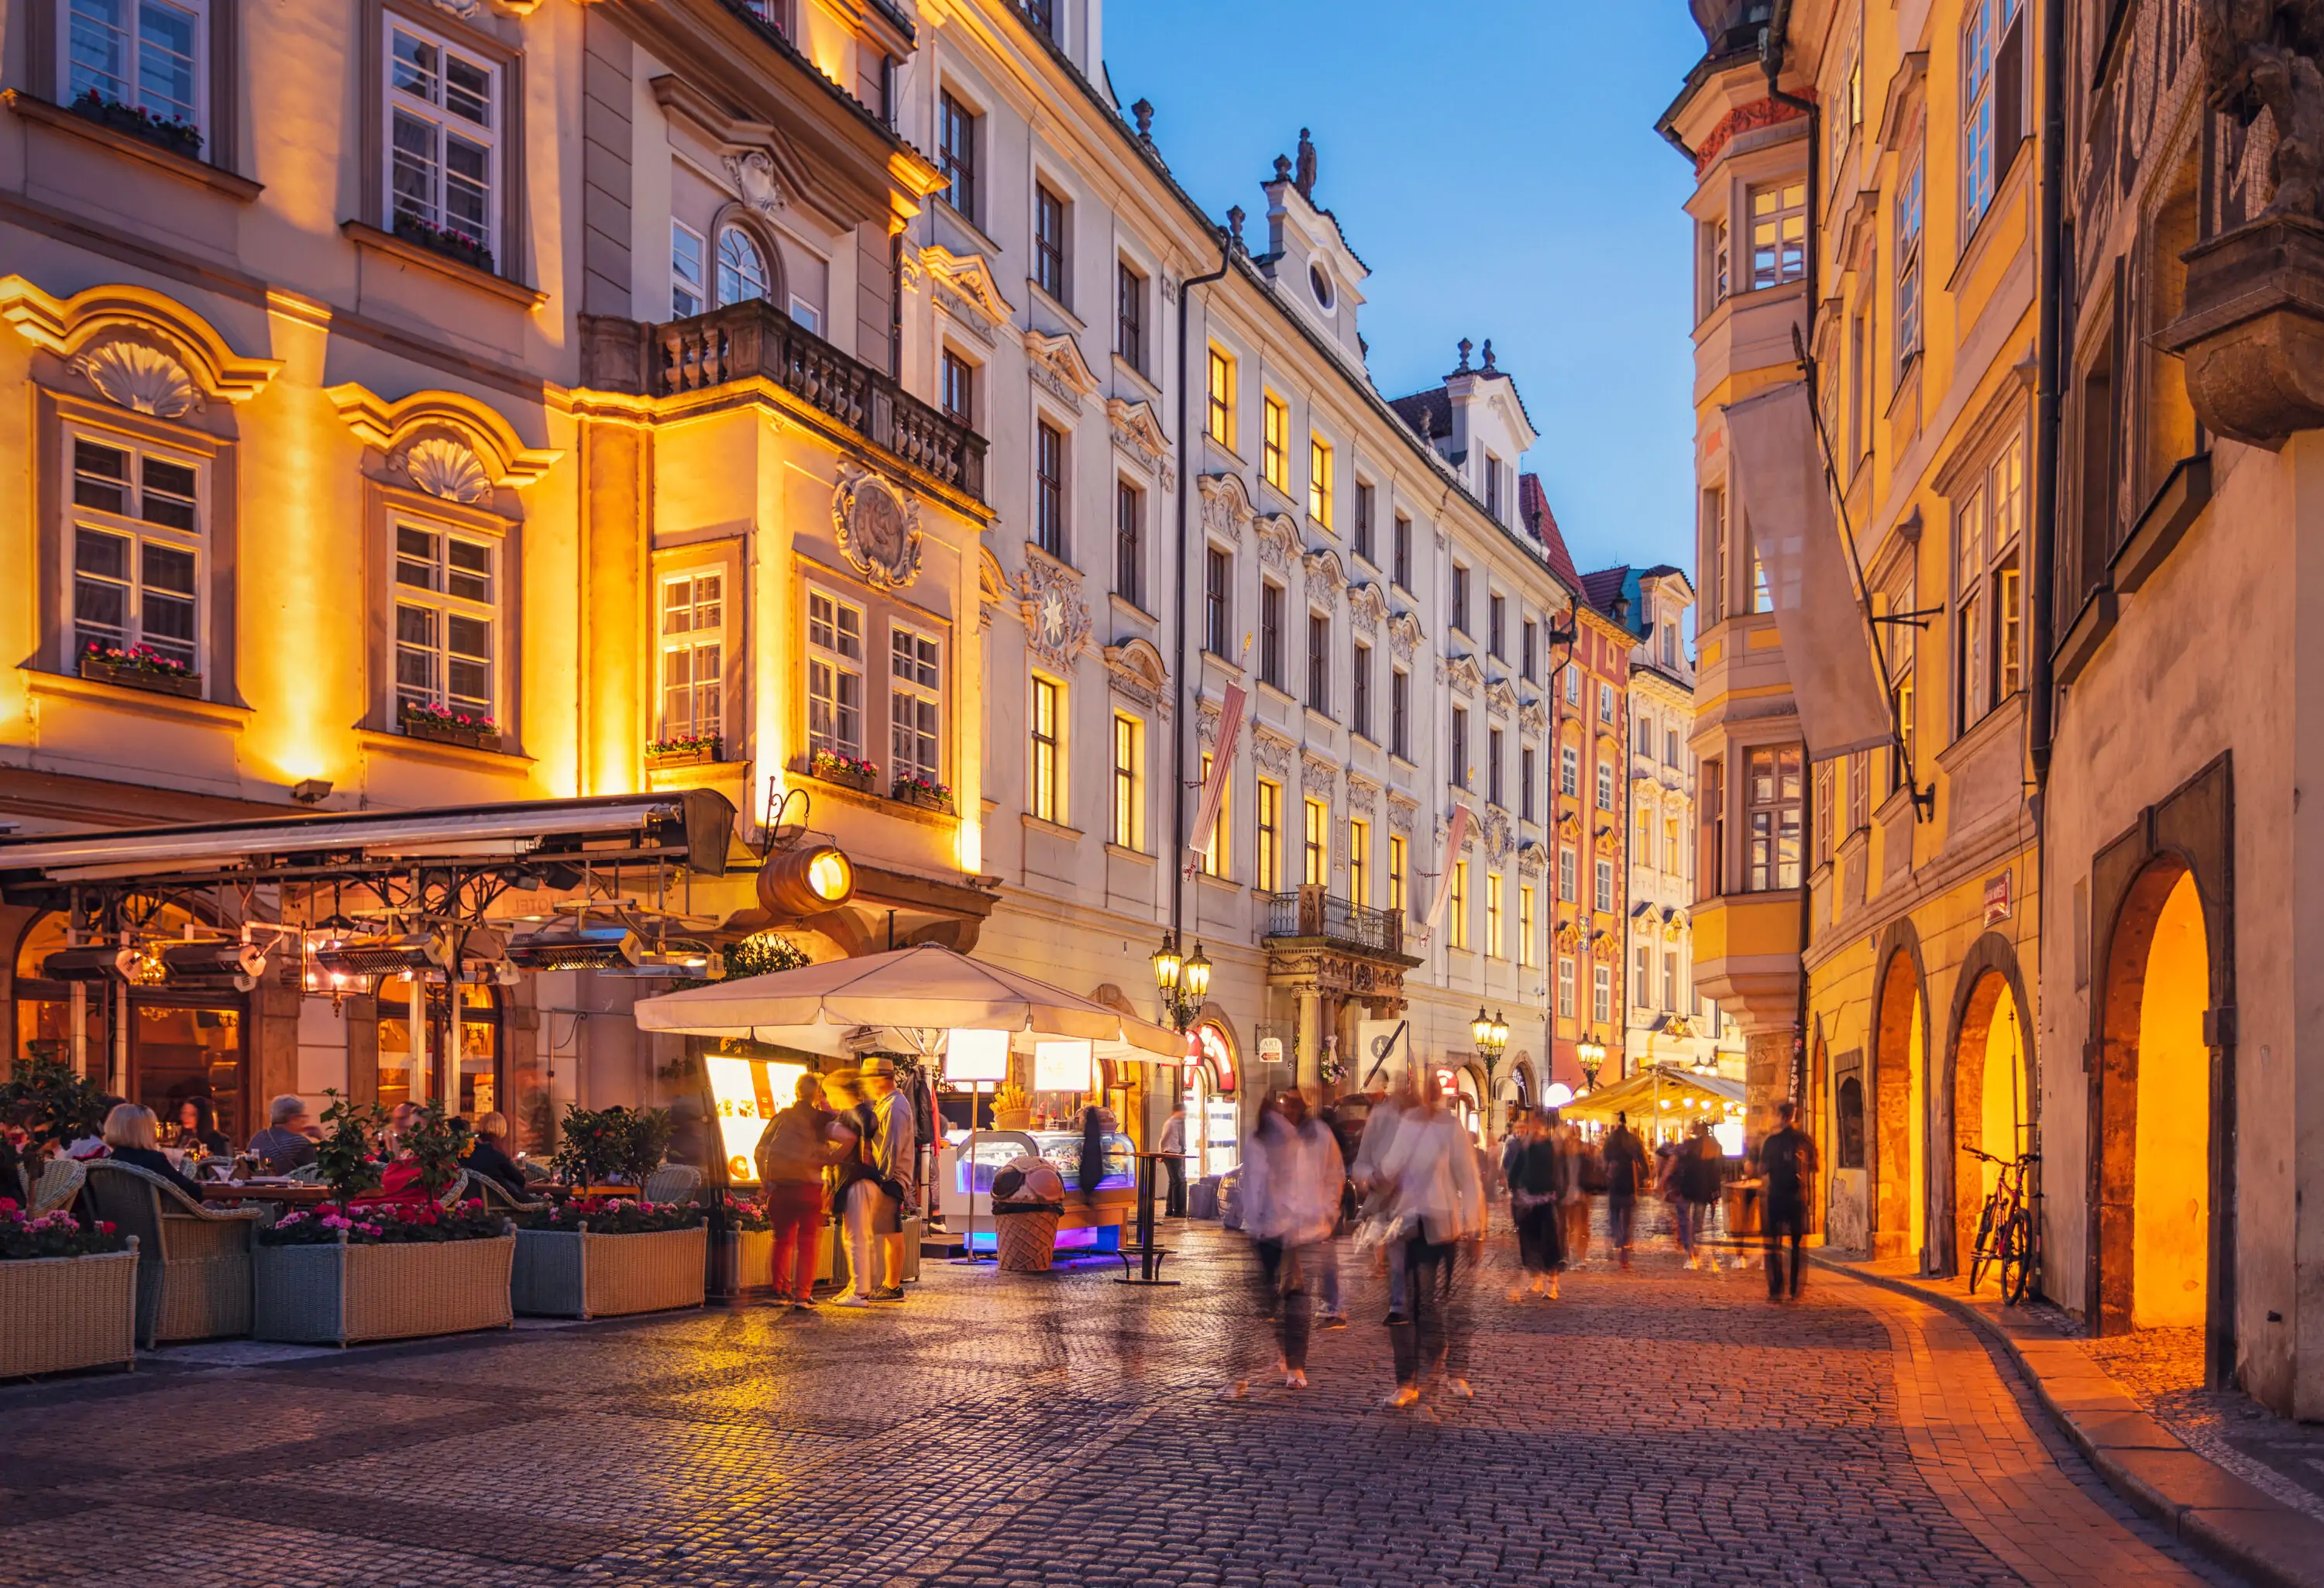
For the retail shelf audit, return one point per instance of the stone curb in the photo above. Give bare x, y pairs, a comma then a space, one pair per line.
2204, 1506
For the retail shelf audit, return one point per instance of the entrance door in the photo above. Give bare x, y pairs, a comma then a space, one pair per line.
179, 1051
470, 1083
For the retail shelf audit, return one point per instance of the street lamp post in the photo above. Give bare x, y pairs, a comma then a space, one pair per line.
1592, 1053
1185, 982
1492, 1039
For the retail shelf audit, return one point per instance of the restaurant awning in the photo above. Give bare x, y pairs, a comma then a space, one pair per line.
1663, 1093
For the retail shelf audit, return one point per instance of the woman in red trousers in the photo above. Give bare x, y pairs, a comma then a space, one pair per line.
798, 1143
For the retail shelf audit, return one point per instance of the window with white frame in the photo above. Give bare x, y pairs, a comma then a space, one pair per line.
1779, 233
150, 54
915, 704
742, 267
1601, 994
1569, 771
1992, 62
693, 655
1988, 608
1603, 899
1129, 782
835, 675
1566, 883
1605, 785
1046, 770
138, 533
1565, 988
445, 618
688, 294
443, 138
1642, 980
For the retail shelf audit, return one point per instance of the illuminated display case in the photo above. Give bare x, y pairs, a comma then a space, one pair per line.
1084, 1227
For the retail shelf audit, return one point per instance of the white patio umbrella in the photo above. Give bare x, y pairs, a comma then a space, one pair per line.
922, 989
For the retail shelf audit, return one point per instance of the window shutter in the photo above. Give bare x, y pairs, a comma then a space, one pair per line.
2009, 97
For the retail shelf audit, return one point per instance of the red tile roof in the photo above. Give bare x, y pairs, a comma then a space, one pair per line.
1541, 523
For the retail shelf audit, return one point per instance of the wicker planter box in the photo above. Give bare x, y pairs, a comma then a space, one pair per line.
420, 727
339, 1294
183, 685
840, 777
700, 755
922, 799
754, 1257
574, 1274
69, 1312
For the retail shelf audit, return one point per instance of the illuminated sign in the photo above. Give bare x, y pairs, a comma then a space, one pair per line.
1220, 1056
1064, 1066
976, 1055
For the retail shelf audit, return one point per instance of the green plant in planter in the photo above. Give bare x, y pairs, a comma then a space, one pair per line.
345, 1154
598, 1144
437, 1141
763, 952
54, 1106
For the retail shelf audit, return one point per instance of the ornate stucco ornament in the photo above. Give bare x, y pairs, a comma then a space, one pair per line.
1057, 618
1325, 575
1403, 811
1367, 607
444, 467
1317, 775
879, 529
752, 172
1226, 505
1138, 432
1278, 541
1271, 750
139, 377
1404, 635
965, 291
1139, 674
1057, 366
1363, 795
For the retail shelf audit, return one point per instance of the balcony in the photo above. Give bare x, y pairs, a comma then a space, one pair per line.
758, 341
1313, 912
1330, 948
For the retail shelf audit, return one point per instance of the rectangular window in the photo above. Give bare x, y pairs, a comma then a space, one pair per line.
1569, 771
1049, 243
1528, 637
1048, 763
1910, 212
1573, 685
1049, 490
1274, 443
1606, 703
693, 656
1602, 899
1601, 994
1525, 783
959, 388
1219, 409
1605, 785
1495, 945
1669, 981
1566, 883
1642, 734
1527, 927
1402, 553
1396, 873
1364, 508
1399, 714
443, 139
688, 294
1492, 485
1129, 782
834, 676
956, 130
1493, 789
1779, 233
1319, 663
915, 704
1642, 980
1970, 676
1991, 65
1771, 815
445, 618
1315, 847
1319, 481
1359, 693
1270, 633
1129, 543
1269, 827
1041, 14
1218, 607
1460, 598
1641, 840
138, 531
1459, 904
1496, 619
1129, 315
1359, 861
148, 54
1460, 765
1214, 853
1565, 988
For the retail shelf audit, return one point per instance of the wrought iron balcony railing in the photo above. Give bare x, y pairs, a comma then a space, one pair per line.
757, 339
1313, 912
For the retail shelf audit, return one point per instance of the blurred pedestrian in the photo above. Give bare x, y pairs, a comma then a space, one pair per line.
1291, 1181
1702, 1179
794, 1150
1374, 1213
1579, 1160
1786, 1160
1173, 1149
1439, 1201
1625, 1175
1536, 1177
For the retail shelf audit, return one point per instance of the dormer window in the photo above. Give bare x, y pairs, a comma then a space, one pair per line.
1319, 282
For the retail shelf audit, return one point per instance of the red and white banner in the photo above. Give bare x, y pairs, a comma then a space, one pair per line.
1214, 786
1453, 838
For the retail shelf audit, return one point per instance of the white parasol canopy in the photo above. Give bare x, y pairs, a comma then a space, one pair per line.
922, 988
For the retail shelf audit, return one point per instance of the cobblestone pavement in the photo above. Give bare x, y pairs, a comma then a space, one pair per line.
1655, 1427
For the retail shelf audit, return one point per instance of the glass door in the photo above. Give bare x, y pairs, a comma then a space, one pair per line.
179, 1052
468, 1083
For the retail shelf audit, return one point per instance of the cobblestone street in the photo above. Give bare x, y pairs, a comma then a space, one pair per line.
1657, 1426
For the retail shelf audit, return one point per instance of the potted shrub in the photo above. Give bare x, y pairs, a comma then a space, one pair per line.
684, 749
444, 240
171, 133
446, 726
68, 1292
53, 1107
140, 667
339, 1273
754, 1241
849, 771
596, 1146
597, 1256
925, 792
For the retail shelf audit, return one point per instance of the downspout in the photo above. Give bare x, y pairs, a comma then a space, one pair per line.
1185, 488
2050, 359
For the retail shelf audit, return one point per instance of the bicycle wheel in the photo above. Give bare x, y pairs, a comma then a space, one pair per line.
2016, 1259
1981, 1254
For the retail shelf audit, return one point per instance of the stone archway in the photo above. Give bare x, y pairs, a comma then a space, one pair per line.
1898, 1105
1987, 1100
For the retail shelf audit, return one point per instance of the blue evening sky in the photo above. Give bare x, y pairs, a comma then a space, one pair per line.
1495, 163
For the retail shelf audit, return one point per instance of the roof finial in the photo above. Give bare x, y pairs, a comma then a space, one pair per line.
1465, 345
1306, 180
1144, 111
1283, 168
1234, 224
1489, 352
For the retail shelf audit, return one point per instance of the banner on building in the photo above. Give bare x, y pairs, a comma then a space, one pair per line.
1781, 492
1214, 786
1456, 835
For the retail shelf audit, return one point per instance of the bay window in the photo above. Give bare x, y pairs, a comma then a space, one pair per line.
1771, 817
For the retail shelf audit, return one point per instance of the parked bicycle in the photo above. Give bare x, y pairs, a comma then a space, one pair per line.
2005, 1230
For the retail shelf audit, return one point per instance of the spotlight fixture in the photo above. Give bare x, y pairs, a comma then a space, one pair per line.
97, 962
310, 790
806, 881
384, 953
573, 946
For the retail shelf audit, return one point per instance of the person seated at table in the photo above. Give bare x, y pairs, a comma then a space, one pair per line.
134, 1136
399, 1182
197, 1128
488, 1156
399, 1122
285, 1145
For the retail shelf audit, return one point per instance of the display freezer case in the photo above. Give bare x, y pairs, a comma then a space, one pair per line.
965, 1185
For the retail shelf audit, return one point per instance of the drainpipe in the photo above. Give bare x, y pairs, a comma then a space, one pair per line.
1178, 728
2050, 359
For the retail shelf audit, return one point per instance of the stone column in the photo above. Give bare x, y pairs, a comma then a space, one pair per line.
1311, 1040
1767, 1076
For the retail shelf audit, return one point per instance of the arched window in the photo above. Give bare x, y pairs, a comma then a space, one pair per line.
741, 268
1849, 1124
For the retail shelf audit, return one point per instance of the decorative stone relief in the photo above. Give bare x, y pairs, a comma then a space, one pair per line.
1533, 859
1140, 675
1363, 796
1271, 750
444, 467
1533, 716
1494, 828
1404, 635
964, 289
1058, 367
1318, 776
1367, 607
992, 586
1326, 577
466, 9
879, 529
139, 377
1569, 825
1226, 505
1502, 696
1207, 714
1278, 541
1609, 842
1057, 618
1138, 432
1467, 675
1605, 946
1569, 939
752, 172
1402, 813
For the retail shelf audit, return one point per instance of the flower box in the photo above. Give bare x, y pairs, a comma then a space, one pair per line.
64, 1313
702, 752
858, 775
924, 798
177, 136
338, 1295
754, 1257
417, 727
452, 244
183, 685
574, 1274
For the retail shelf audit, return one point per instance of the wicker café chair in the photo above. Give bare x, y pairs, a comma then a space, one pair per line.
307, 1174
58, 1184
499, 1197
193, 1263
673, 1182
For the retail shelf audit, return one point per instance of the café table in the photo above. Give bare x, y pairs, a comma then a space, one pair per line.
293, 1194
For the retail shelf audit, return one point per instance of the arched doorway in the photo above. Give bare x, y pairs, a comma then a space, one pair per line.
1899, 1063
1992, 1105
2160, 1159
